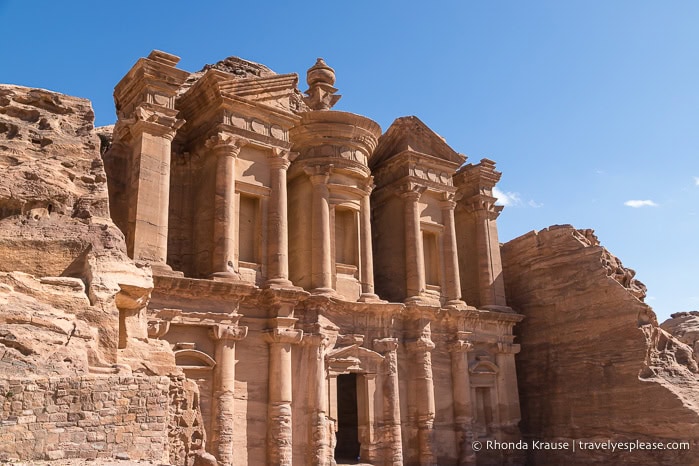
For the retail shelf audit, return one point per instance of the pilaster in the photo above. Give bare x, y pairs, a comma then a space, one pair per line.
392, 440
147, 124
461, 387
475, 185
421, 355
279, 430
223, 410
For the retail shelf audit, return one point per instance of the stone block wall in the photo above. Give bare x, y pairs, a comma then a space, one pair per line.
85, 417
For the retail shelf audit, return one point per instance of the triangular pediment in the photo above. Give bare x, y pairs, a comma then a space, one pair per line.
409, 134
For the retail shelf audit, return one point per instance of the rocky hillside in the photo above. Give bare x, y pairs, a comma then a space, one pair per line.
594, 364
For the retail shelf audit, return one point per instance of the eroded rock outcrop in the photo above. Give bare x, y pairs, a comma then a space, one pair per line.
60, 253
595, 365
685, 327
79, 377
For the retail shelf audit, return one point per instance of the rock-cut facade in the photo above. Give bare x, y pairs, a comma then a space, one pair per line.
335, 291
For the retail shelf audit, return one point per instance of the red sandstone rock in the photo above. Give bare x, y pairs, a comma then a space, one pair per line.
594, 364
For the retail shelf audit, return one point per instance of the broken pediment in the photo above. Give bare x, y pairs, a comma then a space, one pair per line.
409, 134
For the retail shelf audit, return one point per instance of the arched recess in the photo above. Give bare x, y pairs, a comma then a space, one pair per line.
191, 359
198, 366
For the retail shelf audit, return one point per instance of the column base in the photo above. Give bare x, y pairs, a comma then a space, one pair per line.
370, 298
164, 270
423, 300
496, 308
226, 275
455, 303
279, 283
324, 291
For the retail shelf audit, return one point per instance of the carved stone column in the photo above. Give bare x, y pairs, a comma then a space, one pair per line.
491, 286
508, 394
414, 254
319, 452
321, 265
424, 395
391, 415
461, 386
225, 148
279, 433
367, 254
222, 436
278, 231
451, 258
147, 123
482, 261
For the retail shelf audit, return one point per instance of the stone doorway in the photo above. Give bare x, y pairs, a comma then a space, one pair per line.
348, 446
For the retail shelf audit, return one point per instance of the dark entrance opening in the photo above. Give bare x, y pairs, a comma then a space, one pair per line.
347, 447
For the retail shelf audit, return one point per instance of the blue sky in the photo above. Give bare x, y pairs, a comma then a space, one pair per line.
586, 106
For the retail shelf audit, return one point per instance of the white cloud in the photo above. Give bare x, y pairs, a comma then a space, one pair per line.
510, 199
696, 180
638, 203
506, 198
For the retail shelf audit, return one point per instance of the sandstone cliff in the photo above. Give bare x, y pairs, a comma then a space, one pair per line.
63, 263
594, 364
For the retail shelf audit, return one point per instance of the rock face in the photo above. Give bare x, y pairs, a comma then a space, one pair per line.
55, 225
685, 327
594, 364
79, 377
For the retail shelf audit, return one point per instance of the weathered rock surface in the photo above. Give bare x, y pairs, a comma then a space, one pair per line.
594, 364
64, 262
685, 327
72, 304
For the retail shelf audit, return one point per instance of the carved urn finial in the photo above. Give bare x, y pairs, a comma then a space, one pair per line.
320, 94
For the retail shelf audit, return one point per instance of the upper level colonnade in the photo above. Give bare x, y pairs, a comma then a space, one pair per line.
231, 173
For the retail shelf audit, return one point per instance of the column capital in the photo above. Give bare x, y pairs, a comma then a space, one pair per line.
424, 343
385, 345
411, 191
228, 332
281, 158
151, 119
447, 202
222, 143
158, 328
368, 185
283, 335
319, 174
460, 346
509, 348
482, 205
